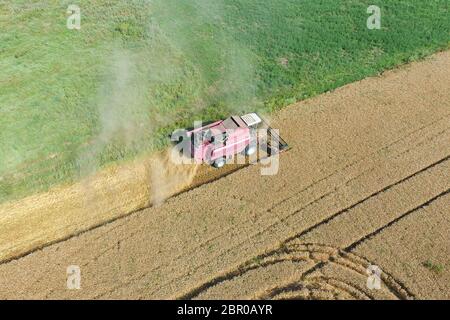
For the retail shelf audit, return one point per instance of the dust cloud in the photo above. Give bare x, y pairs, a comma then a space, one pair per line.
188, 63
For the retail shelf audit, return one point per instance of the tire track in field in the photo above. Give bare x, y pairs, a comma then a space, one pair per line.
352, 247
316, 200
389, 282
404, 215
371, 196
347, 209
307, 282
445, 119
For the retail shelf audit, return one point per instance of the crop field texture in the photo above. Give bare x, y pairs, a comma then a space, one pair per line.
365, 186
73, 101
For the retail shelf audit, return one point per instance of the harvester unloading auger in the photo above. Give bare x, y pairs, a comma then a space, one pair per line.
222, 140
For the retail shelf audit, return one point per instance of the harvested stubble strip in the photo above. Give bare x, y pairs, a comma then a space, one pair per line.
33, 222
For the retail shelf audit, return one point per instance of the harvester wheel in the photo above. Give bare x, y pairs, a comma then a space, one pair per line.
219, 163
250, 150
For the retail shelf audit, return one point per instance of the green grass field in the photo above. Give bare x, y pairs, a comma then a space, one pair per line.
72, 101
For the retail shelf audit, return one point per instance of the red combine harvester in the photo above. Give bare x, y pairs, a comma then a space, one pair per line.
221, 140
